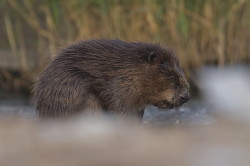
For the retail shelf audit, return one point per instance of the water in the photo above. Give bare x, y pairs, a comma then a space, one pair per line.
195, 112
17, 106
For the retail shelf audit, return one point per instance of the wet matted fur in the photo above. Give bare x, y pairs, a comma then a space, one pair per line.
112, 76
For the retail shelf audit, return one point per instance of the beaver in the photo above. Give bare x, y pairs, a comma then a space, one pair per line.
113, 76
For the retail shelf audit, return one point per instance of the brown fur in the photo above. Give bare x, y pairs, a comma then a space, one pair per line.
110, 75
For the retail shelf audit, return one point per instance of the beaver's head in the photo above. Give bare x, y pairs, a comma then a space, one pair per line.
166, 86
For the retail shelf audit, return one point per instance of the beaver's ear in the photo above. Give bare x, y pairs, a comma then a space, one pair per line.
153, 57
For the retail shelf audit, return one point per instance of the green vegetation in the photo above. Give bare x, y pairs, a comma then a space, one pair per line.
201, 32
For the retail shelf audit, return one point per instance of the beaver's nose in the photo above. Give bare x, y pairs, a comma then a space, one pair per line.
185, 96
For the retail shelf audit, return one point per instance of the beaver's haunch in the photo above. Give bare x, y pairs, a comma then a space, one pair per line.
111, 75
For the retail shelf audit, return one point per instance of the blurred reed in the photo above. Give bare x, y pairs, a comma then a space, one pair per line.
201, 32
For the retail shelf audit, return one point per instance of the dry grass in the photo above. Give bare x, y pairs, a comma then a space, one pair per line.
201, 32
